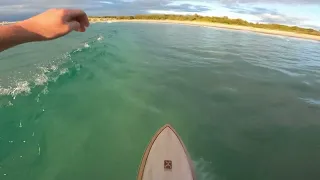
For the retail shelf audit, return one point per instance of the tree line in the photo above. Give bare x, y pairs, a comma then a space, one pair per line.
223, 20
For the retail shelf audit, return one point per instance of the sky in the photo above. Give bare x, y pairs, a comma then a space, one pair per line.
305, 13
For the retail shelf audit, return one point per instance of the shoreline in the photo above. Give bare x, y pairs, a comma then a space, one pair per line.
223, 26
6, 23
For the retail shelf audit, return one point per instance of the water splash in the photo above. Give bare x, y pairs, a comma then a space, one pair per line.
19, 88
41, 79
24, 87
54, 67
203, 171
86, 45
10, 103
64, 71
39, 150
45, 74
100, 38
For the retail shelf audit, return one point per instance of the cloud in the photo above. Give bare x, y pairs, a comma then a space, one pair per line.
186, 8
252, 10
296, 2
105, 2
280, 19
22, 9
267, 15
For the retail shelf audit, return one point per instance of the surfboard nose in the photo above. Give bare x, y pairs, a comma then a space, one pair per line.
166, 158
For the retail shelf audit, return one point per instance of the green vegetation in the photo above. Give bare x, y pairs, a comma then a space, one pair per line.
222, 20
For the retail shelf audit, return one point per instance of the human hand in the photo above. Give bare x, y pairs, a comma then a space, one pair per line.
55, 23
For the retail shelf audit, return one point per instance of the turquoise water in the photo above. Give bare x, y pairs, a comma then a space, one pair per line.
85, 106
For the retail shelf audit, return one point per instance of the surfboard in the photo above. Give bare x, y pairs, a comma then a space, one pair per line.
166, 158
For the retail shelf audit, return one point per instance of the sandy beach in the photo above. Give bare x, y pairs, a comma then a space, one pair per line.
218, 25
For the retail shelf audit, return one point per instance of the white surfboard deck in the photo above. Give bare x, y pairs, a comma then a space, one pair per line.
166, 158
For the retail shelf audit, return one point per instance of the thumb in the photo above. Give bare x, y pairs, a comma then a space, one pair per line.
74, 26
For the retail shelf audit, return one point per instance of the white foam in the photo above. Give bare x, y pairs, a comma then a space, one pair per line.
38, 98
45, 90
54, 79
202, 168
66, 56
100, 38
5, 91
10, 103
86, 45
54, 67
78, 50
78, 67
63, 71
38, 80
39, 150
311, 101
21, 87
44, 69
41, 79
46, 74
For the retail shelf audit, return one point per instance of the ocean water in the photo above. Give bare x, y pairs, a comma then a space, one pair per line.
85, 106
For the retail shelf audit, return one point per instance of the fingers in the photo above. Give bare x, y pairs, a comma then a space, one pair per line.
79, 15
76, 19
83, 20
82, 28
73, 13
75, 26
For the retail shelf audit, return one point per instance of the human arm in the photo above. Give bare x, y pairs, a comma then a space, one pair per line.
49, 25
12, 35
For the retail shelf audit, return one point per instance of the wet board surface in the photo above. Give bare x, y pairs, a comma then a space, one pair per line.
166, 158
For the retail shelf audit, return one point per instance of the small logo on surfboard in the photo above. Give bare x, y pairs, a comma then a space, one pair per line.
167, 165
